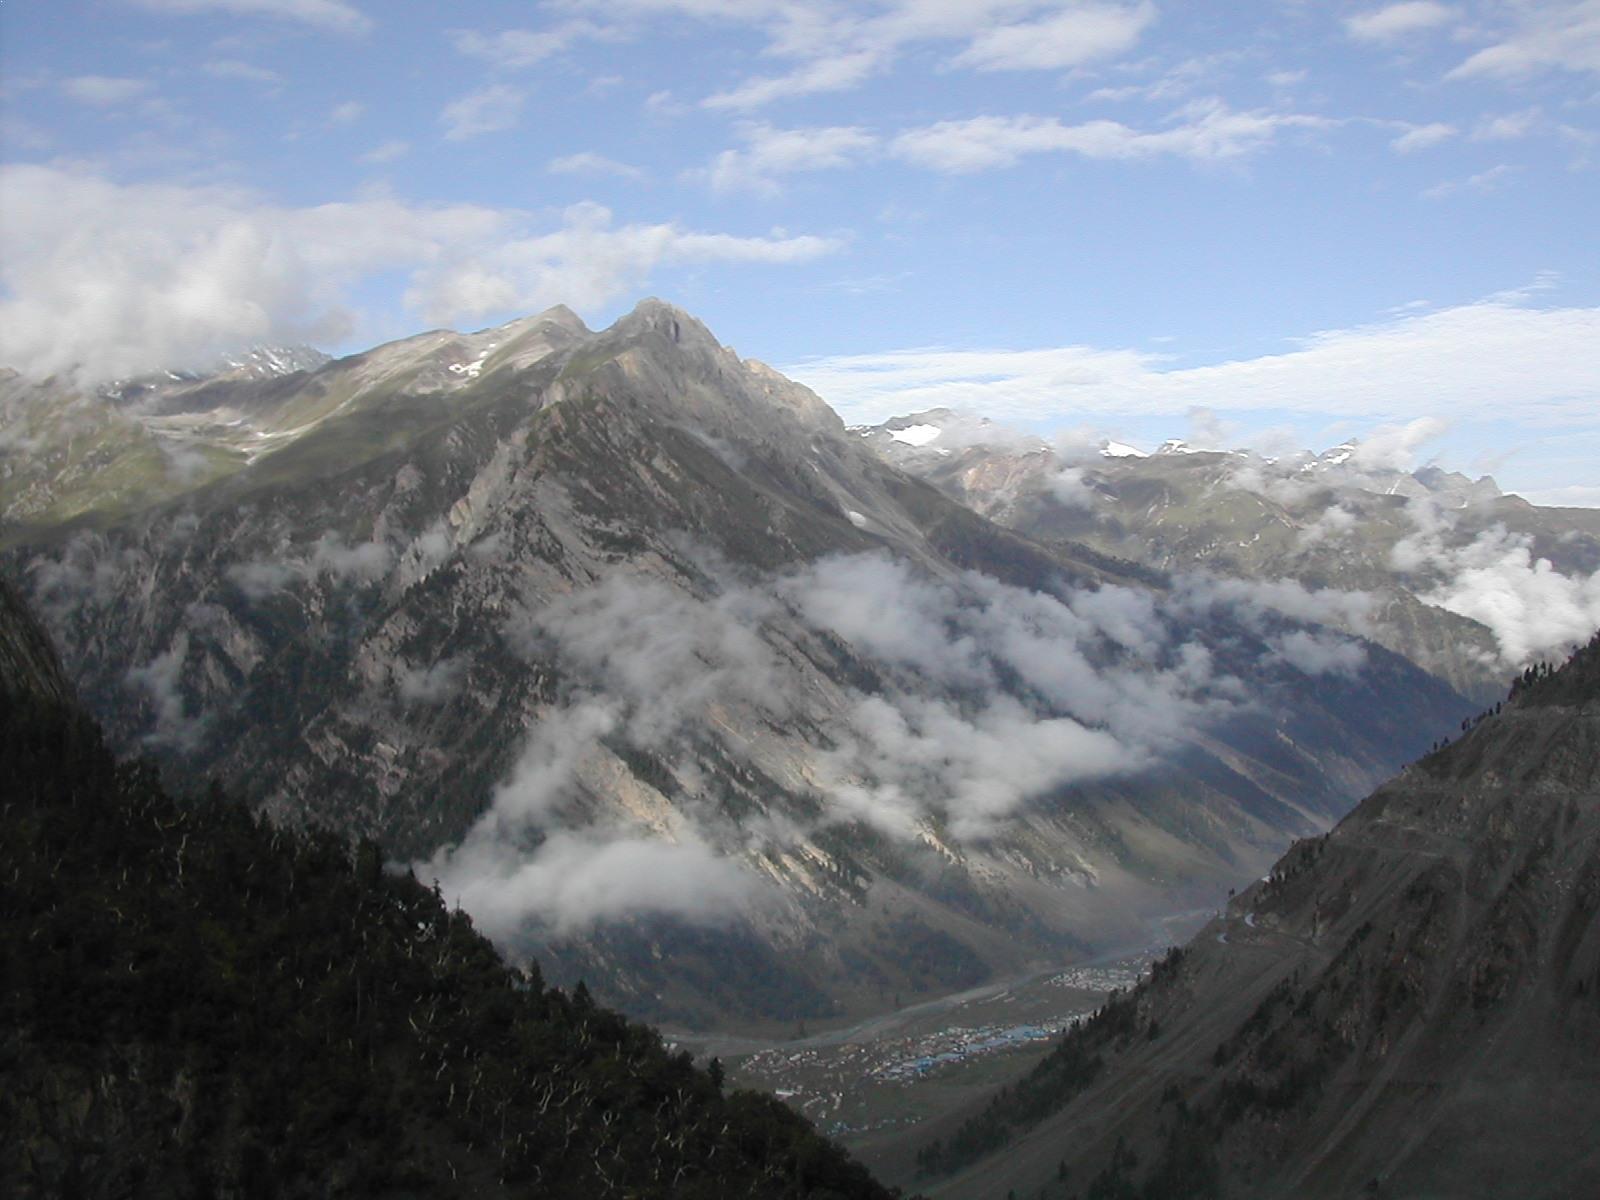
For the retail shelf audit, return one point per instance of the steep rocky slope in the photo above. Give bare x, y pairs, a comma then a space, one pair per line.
667, 678
1447, 565
1408, 1006
194, 1003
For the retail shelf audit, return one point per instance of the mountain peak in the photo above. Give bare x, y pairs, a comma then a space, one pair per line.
653, 315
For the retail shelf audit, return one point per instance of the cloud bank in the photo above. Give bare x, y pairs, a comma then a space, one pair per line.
1496, 578
107, 280
1474, 361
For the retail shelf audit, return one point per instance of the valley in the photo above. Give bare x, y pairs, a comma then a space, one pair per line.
878, 1085
672, 682
707, 708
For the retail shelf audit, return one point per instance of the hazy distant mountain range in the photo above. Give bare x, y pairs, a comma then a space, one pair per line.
669, 678
1466, 582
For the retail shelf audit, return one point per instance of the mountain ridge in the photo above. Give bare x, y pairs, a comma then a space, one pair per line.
1449, 566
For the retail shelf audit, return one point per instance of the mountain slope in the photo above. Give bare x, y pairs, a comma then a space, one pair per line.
196, 1003
1408, 1006
674, 683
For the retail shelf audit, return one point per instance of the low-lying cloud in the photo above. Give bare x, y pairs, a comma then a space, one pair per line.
986, 699
1533, 609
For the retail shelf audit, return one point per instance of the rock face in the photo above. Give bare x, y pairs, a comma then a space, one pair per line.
673, 682
1408, 1006
1444, 561
29, 667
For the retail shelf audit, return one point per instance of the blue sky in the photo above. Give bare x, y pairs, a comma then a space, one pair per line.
1290, 222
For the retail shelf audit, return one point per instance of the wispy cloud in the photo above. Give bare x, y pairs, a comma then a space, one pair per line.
770, 153
333, 15
836, 73
1395, 21
1475, 361
233, 68
833, 48
104, 91
1069, 38
1552, 35
511, 49
1206, 131
1423, 137
488, 110
1483, 182
587, 162
389, 151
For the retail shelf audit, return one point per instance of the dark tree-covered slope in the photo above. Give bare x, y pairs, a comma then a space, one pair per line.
1408, 1006
193, 1003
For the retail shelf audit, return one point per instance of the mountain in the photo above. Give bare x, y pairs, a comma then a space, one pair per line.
66, 454
1407, 1006
672, 682
195, 1003
1447, 568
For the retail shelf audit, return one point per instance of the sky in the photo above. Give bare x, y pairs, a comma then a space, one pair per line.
1275, 223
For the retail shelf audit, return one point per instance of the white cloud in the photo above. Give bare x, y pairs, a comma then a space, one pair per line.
161, 681
1552, 34
511, 49
1507, 127
109, 280
835, 47
104, 91
387, 151
1574, 496
1484, 182
1068, 38
1313, 653
233, 68
1393, 447
488, 110
575, 880
589, 163
837, 73
1533, 610
333, 15
1206, 131
772, 152
1395, 21
1473, 362
1254, 602
344, 114
1423, 137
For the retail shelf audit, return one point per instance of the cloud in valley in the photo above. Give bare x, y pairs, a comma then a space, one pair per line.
989, 698
1496, 578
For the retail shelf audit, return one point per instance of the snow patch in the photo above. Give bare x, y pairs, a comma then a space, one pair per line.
1121, 450
916, 435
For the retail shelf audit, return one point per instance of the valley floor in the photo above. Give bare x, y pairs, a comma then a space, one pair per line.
886, 1084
